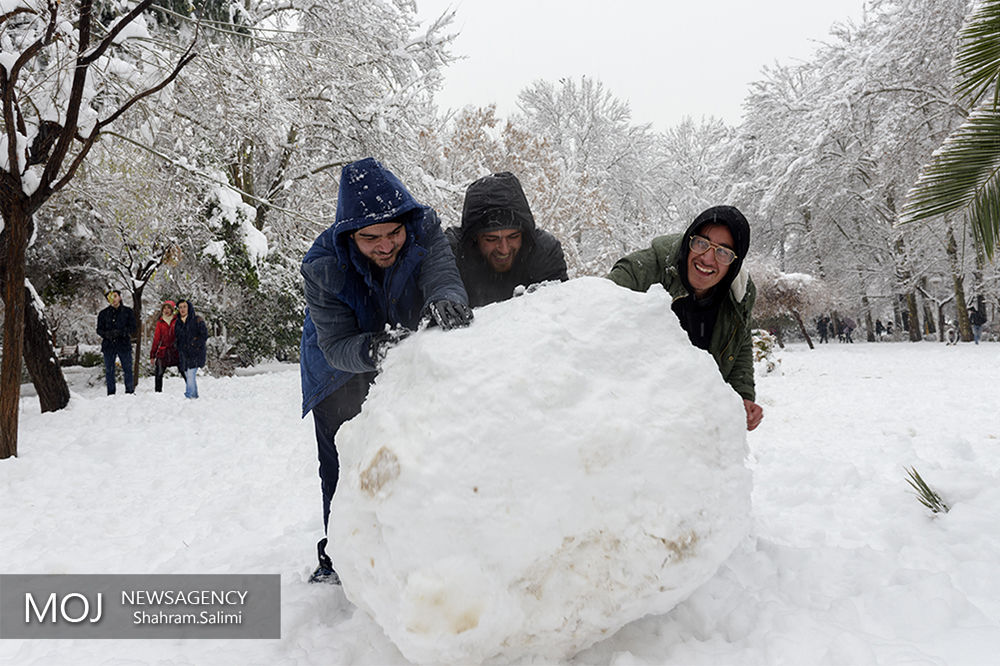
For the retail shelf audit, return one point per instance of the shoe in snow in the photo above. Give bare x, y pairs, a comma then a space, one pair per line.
325, 572
324, 575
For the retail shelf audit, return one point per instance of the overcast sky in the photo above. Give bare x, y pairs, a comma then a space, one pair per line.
667, 58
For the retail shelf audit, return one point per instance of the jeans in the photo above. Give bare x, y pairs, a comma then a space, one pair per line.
340, 406
123, 353
159, 369
190, 385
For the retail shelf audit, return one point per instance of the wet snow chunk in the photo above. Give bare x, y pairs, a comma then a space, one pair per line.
528, 485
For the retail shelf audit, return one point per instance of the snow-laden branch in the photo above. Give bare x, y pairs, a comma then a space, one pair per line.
206, 177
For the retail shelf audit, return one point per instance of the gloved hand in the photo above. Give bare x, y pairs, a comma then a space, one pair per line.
381, 343
450, 314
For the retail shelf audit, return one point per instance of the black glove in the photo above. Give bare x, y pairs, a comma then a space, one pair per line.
450, 314
381, 343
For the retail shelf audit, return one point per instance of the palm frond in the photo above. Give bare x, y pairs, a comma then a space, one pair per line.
925, 494
963, 174
977, 62
984, 215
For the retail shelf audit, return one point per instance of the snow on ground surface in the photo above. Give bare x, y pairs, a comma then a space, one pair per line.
844, 565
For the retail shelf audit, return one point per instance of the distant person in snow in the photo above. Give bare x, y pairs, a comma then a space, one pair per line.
498, 247
849, 326
978, 320
702, 270
382, 267
823, 328
190, 336
163, 351
116, 325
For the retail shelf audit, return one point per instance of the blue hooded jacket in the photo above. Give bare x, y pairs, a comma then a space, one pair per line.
348, 303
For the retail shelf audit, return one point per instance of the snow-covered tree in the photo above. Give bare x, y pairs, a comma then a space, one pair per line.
597, 147
287, 95
792, 295
836, 141
65, 76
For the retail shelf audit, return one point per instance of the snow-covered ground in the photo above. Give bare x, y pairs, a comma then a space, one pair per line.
844, 565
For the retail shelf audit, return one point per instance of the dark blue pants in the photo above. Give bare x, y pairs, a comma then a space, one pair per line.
340, 406
124, 353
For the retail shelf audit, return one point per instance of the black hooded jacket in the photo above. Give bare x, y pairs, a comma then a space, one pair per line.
498, 202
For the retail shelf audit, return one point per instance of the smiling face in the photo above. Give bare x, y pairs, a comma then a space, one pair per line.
499, 248
704, 271
381, 243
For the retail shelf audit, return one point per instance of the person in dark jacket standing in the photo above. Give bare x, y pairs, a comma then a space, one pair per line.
382, 267
116, 325
978, 320
702, 270
823, 328
163, 351
190, 334
498, 247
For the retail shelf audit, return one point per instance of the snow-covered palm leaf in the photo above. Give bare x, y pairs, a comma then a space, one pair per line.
977, 62
964, 174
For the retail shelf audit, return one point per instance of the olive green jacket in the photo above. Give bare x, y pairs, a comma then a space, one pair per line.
731, 345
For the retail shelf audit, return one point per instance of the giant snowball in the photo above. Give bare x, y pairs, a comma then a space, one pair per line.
528, 485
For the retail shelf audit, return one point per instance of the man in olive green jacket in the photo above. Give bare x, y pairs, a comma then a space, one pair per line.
712, 296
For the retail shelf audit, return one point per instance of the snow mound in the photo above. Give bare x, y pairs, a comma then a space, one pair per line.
529, 485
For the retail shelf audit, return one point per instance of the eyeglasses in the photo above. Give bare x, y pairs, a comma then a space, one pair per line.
701, 245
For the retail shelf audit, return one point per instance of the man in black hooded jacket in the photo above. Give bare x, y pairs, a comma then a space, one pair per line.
498, 248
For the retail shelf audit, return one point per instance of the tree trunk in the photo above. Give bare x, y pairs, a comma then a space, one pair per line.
137, 311
38, 347
802, 327
816, 253
866, 304
16, 224
913, 316
958, 282
929, 328
42, 361
961, 309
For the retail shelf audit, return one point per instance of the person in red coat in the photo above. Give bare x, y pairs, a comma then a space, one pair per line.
163, 353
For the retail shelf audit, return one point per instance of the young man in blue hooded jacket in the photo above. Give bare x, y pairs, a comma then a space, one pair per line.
382, 267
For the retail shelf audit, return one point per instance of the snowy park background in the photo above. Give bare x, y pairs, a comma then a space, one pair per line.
844, 566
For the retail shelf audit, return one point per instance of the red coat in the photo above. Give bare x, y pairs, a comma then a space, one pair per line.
163, 342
